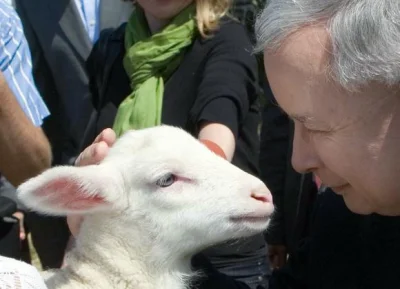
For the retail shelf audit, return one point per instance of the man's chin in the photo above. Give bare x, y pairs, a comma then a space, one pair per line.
341, 190
357, 206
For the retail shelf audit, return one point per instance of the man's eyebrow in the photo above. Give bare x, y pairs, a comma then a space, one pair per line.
302, 118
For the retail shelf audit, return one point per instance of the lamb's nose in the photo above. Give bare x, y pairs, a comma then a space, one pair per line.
262, 194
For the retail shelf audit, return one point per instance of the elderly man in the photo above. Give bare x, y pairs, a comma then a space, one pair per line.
334, 68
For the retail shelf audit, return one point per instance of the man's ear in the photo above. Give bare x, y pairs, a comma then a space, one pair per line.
69, 190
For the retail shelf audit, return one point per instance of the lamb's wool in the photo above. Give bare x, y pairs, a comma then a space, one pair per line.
159, 197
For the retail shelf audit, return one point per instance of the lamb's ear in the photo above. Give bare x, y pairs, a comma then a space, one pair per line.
68, 190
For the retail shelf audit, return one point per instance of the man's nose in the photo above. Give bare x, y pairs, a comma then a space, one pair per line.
304, 156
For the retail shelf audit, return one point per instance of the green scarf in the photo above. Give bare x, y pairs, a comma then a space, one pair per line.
149, 61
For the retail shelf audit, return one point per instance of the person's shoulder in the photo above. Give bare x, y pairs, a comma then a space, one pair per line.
111, 41
230, 32
7, 11
230, 24
11, 34
112, 34
9, 20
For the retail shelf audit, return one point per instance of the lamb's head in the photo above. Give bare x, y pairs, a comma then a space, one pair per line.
163, 182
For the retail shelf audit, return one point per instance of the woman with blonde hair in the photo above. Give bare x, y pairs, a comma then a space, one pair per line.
188, 64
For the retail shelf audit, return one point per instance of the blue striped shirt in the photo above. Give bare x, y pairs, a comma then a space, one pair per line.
16, 64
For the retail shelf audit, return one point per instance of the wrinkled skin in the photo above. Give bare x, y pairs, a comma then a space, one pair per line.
350, 139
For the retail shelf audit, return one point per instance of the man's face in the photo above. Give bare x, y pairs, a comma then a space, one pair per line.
351, 140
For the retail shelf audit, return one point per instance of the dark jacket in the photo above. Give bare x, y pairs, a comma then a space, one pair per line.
344, 250
246, 12
212, 278
9, 229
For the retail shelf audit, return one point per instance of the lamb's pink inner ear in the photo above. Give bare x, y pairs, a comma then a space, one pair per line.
68, 193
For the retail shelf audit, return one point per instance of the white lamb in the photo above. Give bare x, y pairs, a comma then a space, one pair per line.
158, 198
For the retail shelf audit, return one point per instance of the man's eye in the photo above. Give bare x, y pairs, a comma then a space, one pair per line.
166, 180
316, 131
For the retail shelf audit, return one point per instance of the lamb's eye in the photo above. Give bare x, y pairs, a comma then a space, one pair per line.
166, 181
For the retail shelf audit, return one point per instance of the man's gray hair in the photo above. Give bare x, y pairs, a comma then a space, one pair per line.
365, 34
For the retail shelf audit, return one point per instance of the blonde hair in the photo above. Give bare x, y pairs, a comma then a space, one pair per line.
209, 14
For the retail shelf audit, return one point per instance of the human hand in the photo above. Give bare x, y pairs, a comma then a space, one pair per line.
277, 256
20, 216
92, 155
98, 150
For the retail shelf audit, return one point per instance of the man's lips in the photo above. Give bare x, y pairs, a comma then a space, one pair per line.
339, 188
333, 186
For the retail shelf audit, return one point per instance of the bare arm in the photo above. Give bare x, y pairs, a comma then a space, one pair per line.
24, 149
221, 135
227, 90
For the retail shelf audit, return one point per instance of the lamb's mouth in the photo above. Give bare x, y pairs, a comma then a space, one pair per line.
249, 219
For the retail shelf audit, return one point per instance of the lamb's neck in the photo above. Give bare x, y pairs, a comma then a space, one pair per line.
126, 260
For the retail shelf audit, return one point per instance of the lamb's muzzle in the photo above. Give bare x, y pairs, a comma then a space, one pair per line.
158, 198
